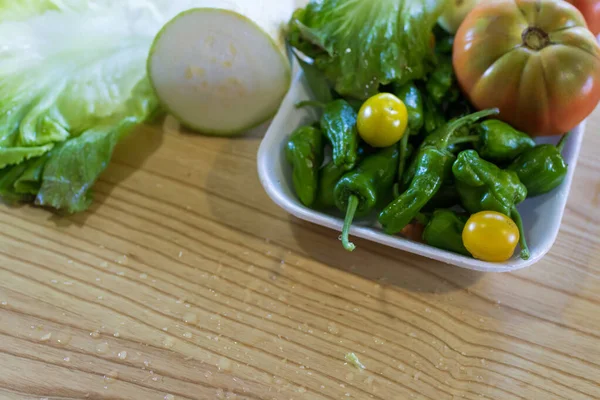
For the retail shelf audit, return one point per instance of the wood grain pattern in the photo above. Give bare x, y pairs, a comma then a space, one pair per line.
184, 281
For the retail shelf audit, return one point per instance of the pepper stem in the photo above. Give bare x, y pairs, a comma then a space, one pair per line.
310, 103
466, 120
516, 216
350, 212
465, 139
561, 144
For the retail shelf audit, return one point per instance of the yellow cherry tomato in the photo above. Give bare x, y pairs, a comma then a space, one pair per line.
382, 120
491, 236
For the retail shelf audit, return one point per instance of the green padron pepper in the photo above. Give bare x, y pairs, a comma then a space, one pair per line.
339, 126
499, 142
433, 118
542, 168
444, 231
440, 83
412, 98
430, 168
483, 186
304, 151
361, 190
329, 176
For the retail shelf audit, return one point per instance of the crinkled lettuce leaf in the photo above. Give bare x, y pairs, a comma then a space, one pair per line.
72, 84
360, 45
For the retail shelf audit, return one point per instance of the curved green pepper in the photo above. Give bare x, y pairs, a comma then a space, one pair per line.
483, 186
359, 191
339, 126
412, 98
444, 231
338, 123
304, 151
433, 118
431, 167
441, 82
329, 176
501, 143
542, 168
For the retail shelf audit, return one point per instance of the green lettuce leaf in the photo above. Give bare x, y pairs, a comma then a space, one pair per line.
70, 170
360, 45
72, 83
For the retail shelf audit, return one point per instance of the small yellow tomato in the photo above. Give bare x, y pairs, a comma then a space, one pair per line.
491, 236
382, 120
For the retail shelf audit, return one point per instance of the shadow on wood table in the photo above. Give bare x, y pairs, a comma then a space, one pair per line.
380, 263
128, 157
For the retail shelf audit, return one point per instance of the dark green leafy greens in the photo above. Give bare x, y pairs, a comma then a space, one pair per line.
360, 45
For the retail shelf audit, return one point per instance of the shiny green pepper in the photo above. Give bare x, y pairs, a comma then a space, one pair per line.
329, 176
338, 123
430, 168
502, 190
361, 190
542, 168
483, 186
444, 231
412, 98
304, 151
433, 118
339, 126
501, 143
441, 82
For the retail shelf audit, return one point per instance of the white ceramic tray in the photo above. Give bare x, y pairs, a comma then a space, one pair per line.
541, 215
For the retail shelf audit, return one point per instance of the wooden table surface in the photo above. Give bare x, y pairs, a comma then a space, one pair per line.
184, 281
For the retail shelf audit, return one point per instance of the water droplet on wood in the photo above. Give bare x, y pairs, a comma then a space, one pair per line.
111, 377
102, 347
190, 318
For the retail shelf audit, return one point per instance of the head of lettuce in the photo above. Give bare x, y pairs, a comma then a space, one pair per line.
360, 45
72, 84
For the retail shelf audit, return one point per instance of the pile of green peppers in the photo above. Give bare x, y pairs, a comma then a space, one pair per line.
451, 163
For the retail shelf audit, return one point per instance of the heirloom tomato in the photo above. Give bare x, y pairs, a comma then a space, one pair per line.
535, 60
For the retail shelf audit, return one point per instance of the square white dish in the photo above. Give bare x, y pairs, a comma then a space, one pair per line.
542, 215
